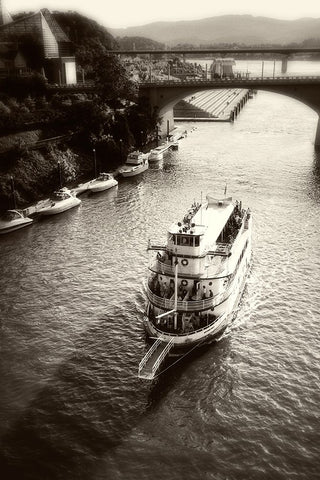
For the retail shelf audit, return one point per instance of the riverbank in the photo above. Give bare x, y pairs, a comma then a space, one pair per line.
37, 175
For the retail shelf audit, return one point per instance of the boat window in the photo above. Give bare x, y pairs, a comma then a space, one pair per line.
186, 240
10, 215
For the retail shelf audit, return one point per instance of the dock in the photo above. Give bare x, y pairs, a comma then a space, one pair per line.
212, 105
153, 359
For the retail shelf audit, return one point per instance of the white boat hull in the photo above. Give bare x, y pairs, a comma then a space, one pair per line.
131, 172
60, 206
155, 157
102, 186
213, 330
11, 226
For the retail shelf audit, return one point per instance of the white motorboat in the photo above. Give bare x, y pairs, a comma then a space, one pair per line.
156, 155
61, 201
13, 220
196, 279
137, 162
103, 182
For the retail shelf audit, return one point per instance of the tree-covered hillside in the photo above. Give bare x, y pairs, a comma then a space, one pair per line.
90, 39
138, 43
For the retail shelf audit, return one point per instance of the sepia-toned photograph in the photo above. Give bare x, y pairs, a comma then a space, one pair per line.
159, 240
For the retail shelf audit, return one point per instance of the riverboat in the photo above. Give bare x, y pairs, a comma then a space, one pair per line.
137, 162
103, 182
13, 220
61, 201
196, 279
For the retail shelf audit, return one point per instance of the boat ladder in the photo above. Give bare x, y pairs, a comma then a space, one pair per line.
153, 359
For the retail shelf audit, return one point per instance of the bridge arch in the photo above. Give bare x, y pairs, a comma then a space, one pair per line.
163, 96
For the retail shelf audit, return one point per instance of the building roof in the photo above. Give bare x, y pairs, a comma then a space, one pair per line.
5, 17
44, 28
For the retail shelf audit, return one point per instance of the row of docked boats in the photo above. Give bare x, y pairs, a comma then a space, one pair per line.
137, 162
65, 199
60, 201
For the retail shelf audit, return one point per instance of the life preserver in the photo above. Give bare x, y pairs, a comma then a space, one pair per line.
184, 262
184, 282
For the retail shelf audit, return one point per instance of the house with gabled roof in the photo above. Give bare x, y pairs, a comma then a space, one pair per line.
45, 46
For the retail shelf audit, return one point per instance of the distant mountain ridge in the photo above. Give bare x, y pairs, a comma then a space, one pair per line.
245, 29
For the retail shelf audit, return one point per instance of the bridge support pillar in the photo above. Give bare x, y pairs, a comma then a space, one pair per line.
284, 64
317, 139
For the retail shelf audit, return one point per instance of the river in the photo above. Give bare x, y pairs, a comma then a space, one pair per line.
247, 407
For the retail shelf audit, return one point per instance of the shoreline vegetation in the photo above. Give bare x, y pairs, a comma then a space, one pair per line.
38, 129
42, 133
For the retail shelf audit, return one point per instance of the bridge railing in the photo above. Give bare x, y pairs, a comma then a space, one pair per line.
235, 80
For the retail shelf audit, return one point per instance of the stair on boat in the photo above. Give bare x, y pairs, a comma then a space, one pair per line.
153, 359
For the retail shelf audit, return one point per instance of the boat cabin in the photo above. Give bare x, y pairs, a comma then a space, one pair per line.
135, 158
10, 215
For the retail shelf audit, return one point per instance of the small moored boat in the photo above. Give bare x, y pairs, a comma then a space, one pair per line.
61, 201
103, 182
156, 154
137, 162
196, 279
13, 220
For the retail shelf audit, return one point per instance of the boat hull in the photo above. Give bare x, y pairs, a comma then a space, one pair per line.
155, 157
183, 342
60, 207
6, 228
134, 171
102, 186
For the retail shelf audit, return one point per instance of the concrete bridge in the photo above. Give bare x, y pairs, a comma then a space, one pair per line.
163, 95
285, 53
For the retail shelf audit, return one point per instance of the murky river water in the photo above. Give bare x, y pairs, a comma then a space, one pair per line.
71, 405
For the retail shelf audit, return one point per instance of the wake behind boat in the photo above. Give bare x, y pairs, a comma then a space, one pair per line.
137, 162
196, 279
13, 220
103, 182
61, 201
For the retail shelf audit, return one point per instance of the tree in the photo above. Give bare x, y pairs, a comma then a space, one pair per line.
112, 81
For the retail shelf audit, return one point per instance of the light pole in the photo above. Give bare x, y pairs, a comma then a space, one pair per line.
94, 162
120, 147
60, 174
262, 68
274, 68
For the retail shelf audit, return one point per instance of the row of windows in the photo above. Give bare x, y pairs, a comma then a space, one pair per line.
186, 240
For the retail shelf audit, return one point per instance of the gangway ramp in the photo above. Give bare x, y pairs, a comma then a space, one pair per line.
155, 356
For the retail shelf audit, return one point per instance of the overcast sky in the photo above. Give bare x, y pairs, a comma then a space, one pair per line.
123, 13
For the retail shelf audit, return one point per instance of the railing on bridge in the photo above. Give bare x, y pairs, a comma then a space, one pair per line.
244, 81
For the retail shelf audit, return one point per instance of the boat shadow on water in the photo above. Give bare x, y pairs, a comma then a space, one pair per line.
89, 406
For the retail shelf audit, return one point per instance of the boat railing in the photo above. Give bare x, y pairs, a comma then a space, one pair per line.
162, 356
164, 269
183, 305
222, 249
246, 219
187, 334
149, 353
156, 246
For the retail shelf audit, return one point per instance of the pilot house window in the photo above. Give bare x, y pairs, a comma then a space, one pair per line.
186, 241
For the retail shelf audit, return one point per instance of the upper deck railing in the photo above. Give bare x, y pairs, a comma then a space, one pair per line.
185, 305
